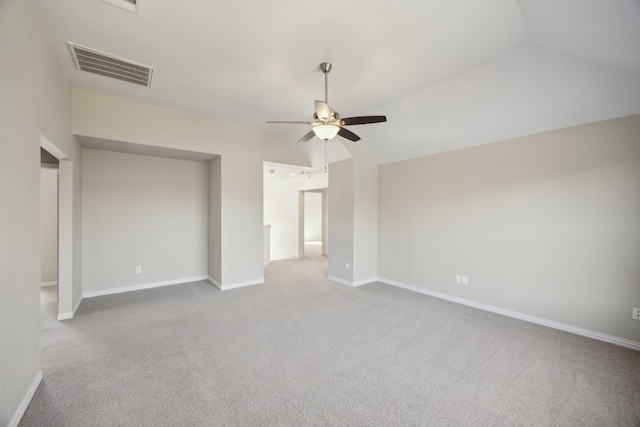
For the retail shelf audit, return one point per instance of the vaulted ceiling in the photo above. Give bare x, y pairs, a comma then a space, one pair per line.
447, 73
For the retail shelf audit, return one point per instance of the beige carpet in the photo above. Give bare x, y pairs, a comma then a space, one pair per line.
301, 350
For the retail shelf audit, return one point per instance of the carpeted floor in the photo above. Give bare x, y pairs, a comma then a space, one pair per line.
301, 350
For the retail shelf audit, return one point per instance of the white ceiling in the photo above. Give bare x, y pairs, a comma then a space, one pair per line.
447, 73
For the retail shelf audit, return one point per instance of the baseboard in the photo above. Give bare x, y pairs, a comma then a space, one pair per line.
47, 284
364, 281
234, 285
520, 316
22, 408
352, 284
65, 316
215, 282
142, 286
69, 315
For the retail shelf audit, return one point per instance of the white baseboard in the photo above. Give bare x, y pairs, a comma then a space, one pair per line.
352, 284
364, 281
215, 282
65, 316
142, 286
22, 408
47, 284
339, 280
234, 285
516, 315
69, 315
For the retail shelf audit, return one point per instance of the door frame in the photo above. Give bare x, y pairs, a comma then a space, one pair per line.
65, 229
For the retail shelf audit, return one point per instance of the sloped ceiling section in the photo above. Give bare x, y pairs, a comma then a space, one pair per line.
447, 73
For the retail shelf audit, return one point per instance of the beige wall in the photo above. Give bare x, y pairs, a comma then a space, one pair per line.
546, 225
35, 99
365, 223
341, 210
214, 234
353, 217
242, 152
142, 211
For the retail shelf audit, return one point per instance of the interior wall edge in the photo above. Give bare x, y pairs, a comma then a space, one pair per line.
70, 314
31, 391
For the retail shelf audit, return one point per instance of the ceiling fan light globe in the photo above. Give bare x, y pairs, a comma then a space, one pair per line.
326, 132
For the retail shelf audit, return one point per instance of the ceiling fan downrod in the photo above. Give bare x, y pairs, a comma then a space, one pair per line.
326, 68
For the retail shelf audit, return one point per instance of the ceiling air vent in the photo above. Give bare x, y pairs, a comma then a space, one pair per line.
106, 65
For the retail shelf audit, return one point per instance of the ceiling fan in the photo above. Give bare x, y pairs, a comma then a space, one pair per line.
327, 123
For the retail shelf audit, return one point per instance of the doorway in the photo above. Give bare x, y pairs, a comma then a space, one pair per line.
313, 223
48, 227
66, 307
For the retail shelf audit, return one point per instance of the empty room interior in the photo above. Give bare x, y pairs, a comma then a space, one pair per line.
334, 213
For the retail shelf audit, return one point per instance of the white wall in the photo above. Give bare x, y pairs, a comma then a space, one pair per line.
142, 211
546, 225
281, 211
281, 201
312, 217
35, 99
242, 152
48, 226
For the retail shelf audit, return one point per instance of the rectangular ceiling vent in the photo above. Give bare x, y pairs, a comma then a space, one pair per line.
128, 5
106, 65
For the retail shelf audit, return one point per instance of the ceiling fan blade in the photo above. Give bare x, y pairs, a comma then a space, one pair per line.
323, 111
362, 120
307, 137
297, 123
345, 133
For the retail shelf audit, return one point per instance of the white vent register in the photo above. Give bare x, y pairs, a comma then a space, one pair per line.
106, 65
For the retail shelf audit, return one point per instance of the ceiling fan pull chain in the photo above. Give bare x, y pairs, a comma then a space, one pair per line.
325, 158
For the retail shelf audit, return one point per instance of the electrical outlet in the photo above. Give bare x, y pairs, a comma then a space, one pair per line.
346, 266
465, 280
458, 278
635, 313
138, 269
